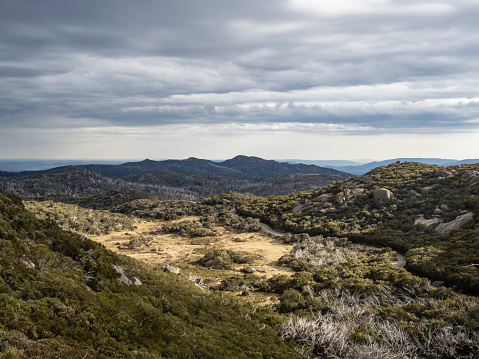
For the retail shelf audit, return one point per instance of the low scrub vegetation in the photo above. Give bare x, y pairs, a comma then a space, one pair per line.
60, 297
81, 220
350, 210
223, 259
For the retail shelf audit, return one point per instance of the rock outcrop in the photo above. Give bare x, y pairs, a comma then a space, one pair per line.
474, 181
445, 228
322, 198
383, 194
413, 194
171, 269
443, 173
123, 277
469, 174
424, 221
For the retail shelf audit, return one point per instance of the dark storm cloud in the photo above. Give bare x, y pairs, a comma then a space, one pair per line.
398, 66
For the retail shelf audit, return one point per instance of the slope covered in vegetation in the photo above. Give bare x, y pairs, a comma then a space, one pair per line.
429, 213
61, 296
75, 185
345, 300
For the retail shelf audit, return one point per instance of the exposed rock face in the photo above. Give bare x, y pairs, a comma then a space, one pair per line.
469, 174
445, 228
474, 181
28, 262
424, 221
298, 208
383, 194
443, 173
171, 269
357, 191
365, 179
444, 208
123, 278
322, 198
413, 193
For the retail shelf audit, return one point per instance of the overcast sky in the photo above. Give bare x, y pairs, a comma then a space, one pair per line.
339, 79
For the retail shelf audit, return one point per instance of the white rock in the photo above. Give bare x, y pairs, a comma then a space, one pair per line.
123, 278
474, 181
445, 228
424, 221
171, 269
322, 198
383, 194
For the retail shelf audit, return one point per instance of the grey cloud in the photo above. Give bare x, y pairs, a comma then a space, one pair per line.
124, 62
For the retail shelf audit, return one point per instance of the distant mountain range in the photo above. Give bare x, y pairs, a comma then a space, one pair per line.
250, 166
170, 179
359, 169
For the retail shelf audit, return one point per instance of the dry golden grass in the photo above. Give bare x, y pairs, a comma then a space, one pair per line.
183, 252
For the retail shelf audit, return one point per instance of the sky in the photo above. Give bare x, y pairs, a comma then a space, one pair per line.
282, 79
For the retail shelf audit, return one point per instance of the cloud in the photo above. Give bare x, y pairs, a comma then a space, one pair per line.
337, 67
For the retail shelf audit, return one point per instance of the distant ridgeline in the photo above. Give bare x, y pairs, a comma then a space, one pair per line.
170, 179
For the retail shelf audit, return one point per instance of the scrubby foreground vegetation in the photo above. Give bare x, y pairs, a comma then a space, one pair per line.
61, 296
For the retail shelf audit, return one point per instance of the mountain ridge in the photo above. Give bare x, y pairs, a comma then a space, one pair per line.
366, 167
252, 166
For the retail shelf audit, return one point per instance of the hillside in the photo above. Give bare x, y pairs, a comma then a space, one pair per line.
328, 281
191, 165
336, 299
429, 213
204, 185
255, 166
71, 184
63, 295
364, 168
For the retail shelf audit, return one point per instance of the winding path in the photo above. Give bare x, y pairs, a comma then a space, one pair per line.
270, 230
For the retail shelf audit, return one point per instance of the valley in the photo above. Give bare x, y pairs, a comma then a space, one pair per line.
170, 249
377, 265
